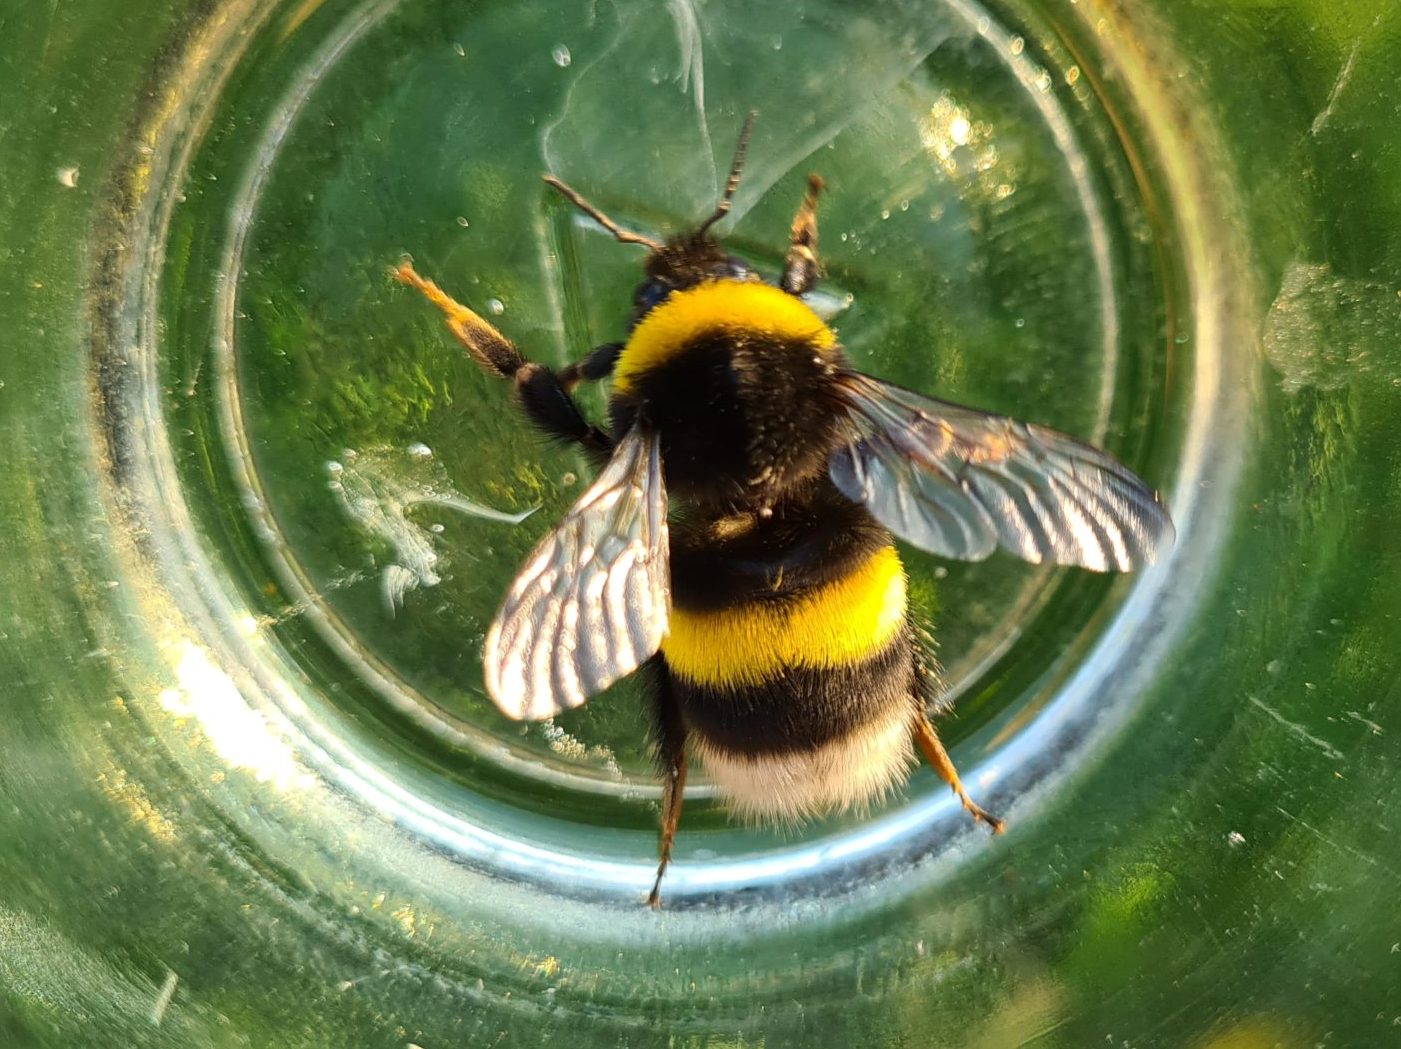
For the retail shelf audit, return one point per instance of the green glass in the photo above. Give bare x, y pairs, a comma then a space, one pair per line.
259, 510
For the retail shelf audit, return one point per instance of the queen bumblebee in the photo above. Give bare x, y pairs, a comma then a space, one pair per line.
769, 618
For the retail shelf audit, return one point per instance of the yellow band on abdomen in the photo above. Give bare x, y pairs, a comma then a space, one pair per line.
746, 307
843, 622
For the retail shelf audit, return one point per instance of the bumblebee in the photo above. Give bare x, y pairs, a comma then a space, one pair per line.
737, 547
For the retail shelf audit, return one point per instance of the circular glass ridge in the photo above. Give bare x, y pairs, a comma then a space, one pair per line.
294, 737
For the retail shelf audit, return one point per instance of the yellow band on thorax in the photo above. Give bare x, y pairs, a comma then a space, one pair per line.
740, 306
843, 622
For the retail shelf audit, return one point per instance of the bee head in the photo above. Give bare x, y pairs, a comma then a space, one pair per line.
682, 261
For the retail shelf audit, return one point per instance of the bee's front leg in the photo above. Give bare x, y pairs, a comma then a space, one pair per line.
543, 394
594, 365
800, 266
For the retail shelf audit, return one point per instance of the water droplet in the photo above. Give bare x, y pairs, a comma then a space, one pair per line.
1020, 322
885, 213
561, 55
778, 43
1235, 838
495, 306
419, 452
462, 221
461, 51
437, 529
334, 468
1018, 45
904, 205
569, 478
68, 177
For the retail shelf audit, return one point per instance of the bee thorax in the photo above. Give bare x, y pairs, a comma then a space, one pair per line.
741, 418
738, 379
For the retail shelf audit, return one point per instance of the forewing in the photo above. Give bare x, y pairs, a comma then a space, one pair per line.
961, 483
591, 604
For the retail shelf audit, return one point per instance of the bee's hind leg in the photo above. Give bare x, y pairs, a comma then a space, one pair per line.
543, 395
800, 266
670, 731
673, 792
933, 750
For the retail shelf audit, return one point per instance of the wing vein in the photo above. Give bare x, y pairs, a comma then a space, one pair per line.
591, 605
960, 483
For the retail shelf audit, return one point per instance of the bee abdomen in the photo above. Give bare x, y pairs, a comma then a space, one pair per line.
840, 623
808, 741
804, 705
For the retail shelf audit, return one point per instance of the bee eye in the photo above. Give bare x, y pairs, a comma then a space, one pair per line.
649, 295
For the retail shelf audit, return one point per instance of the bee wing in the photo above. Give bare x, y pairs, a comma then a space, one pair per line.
960, 483
591, 604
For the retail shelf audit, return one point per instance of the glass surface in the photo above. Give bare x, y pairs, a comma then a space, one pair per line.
259, 510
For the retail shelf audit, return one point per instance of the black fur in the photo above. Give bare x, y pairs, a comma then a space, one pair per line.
812, 537
742, 417
802, 708
547, 403
668, 724
594, 365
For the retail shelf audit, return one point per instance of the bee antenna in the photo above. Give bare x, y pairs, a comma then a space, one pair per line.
723, 208
623, 235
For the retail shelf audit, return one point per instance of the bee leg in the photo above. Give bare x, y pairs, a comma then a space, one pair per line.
594, 365
672, 795
671, 755
542, 394
487, 346
933, 750
800, 266
547, 402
